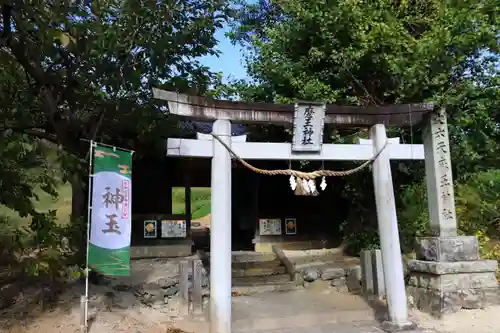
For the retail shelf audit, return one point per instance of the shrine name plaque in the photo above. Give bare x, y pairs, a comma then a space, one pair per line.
270, 227
308, 124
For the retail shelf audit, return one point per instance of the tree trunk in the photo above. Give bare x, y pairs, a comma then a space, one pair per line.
78, 230
78, 197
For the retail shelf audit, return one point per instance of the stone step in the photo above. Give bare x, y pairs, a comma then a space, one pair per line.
266, 288
258, 271
261, 280
249, 256
256, 264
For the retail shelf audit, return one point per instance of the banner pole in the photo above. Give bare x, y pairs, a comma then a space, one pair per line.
109, 146
89, 211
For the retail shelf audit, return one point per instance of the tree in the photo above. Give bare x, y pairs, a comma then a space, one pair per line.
379, 52
382, 52
23, 166
85, 71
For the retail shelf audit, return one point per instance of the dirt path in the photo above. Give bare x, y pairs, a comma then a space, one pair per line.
291, 312
134, 311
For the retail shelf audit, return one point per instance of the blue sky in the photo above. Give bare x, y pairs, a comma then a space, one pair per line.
230, 62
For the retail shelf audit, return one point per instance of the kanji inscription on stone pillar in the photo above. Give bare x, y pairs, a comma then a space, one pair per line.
439, 176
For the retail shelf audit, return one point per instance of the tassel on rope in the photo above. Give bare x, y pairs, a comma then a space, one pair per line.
323, 183
293, 183
303, 187
312, 188
300, 189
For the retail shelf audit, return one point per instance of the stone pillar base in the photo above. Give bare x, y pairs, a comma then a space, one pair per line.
439, 288
448, 275
447, 249
388, 326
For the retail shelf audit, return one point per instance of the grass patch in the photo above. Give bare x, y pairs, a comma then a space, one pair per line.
45, 202
200, 201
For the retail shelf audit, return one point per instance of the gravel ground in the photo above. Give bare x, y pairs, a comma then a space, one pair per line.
299, 311
272, 312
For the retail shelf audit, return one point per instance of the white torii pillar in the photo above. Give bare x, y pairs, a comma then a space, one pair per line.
220, 234
389, 235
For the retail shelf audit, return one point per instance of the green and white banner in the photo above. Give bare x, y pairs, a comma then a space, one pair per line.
111, 214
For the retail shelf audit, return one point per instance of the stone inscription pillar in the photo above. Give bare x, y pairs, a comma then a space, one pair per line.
220, 236
448, 274
389, 234
439, 176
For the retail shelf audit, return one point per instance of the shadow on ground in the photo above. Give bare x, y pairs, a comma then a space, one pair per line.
24, 300
378, 306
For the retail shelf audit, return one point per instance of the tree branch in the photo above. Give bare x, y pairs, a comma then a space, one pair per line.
40, 135
43, 80
32, 130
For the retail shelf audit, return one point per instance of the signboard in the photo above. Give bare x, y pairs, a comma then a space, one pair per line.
110, 219
308, 123
173, 229
269, 227
290, 226
150, 229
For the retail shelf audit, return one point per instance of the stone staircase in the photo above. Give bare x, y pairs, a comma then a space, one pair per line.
255, 272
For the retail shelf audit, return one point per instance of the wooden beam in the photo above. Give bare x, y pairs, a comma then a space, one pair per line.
202, 108
283, 151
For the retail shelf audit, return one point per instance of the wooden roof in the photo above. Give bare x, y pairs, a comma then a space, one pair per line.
202, 108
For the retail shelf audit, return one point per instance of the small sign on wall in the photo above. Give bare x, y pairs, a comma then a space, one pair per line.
150, 229
270, 227
290, 226
173, 229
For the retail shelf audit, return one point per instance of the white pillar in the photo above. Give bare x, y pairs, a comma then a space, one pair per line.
388, 231
220, 237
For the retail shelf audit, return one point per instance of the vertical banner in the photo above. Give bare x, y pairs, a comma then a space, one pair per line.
111, 215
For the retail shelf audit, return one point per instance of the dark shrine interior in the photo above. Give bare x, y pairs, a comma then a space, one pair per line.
254, 196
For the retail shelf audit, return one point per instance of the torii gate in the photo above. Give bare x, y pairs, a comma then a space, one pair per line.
435, 151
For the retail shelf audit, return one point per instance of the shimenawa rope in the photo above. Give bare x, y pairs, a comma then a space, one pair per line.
300, 174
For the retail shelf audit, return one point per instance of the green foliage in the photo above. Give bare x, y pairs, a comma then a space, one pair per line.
74, 72
382, 52
413, 215
474, 113
200, 201
46, 231
478, 203
8, 239
23, 168
85, 71
489, 249
374, 52
39, 251
477, 207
